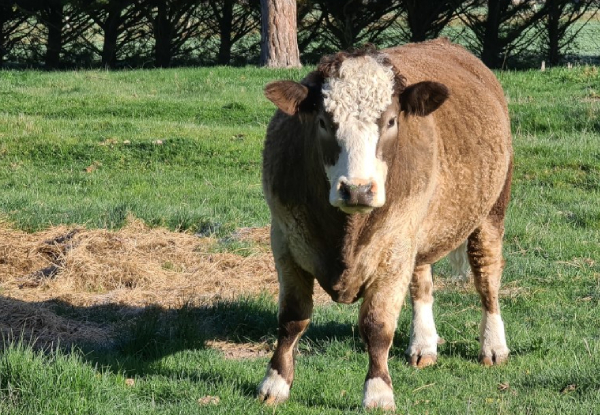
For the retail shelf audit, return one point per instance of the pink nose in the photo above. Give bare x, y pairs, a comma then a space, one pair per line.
356, 194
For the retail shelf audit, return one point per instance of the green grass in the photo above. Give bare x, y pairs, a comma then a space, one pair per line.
206, 177
206, 172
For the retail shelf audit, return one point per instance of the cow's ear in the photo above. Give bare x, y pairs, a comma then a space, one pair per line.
287, 95
294, 97
423, 98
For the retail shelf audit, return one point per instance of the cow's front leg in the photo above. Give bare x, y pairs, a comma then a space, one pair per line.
295, 309
422, 349
485, 255
377, 323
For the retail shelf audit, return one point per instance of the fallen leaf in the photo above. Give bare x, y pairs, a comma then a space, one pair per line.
503, 386
568, 388
93, 167
209, 400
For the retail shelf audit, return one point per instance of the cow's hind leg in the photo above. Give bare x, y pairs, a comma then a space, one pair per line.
422, 349
295, 309
485, 256
377, 322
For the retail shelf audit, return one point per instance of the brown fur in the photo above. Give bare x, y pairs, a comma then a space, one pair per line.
448, 180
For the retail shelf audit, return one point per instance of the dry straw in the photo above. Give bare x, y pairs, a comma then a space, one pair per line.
135, 266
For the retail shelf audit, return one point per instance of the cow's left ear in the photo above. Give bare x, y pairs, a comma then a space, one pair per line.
423, 98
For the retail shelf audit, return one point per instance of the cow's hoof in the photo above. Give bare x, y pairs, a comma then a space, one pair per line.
420, 361
494, 358
378, 394
273, 389
423, 355
493, 340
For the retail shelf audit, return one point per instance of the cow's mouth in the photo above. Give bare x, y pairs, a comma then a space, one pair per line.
353, 209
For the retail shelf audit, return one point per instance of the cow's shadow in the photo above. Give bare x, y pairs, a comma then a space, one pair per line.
148, 333
129, 340
126, 339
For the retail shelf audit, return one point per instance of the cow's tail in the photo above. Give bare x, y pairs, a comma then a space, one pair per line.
459, 261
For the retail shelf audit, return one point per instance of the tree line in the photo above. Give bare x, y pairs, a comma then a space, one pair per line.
161, 33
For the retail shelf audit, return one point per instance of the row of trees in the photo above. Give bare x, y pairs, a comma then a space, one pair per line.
113, 33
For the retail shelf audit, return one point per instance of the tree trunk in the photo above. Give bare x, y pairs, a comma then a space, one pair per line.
415, 19
490, 53
162, 35
348, 29
55, 28
111, 34
225, 29
3, 38
552, 26
279, 40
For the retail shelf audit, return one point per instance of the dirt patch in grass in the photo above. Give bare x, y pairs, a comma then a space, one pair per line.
232, 350
133, 268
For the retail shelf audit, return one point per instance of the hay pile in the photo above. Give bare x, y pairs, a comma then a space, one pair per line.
38, 324
128, 269
133, 267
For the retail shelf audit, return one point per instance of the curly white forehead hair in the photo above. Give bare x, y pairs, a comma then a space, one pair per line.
358, 85
362, 90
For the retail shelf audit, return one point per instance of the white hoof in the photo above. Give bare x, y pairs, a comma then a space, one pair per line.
273, 389
422, 349
493, 340
378, 394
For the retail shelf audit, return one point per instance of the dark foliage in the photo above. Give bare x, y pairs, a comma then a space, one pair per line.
133, 33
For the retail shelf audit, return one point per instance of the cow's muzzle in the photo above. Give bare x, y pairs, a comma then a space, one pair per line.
356, 196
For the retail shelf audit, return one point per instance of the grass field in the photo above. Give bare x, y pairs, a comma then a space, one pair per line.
181, 148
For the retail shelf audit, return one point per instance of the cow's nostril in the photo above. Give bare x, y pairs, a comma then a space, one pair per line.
345, 192
356, 195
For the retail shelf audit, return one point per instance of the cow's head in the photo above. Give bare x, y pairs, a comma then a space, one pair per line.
355, 100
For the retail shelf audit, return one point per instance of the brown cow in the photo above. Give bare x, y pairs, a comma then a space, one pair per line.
377, 165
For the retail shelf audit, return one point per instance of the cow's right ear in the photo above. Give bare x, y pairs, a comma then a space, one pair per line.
287, 95
294, 97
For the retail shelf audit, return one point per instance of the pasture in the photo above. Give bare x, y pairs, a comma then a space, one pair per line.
164, 299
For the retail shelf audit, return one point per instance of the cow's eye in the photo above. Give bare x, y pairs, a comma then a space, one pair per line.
391, 122
322, 124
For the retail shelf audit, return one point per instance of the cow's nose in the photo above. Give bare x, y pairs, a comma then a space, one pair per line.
356, 194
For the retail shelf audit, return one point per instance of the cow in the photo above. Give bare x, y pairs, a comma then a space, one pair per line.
376, 165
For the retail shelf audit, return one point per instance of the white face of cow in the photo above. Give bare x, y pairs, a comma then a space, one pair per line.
357, 113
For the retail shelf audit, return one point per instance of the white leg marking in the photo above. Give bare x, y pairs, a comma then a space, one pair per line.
377, 394
459, 261
423, 336
273, 389
493, 339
